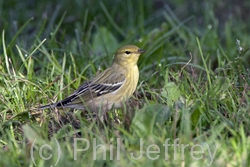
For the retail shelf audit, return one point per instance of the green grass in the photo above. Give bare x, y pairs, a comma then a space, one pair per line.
194, 86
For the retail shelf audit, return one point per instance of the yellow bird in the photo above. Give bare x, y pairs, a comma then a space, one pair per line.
111, 88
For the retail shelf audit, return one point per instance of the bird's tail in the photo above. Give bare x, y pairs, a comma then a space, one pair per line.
46, 106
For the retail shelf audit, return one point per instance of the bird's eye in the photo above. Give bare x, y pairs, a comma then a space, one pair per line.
127, 52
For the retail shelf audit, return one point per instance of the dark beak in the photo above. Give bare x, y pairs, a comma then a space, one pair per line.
141, 50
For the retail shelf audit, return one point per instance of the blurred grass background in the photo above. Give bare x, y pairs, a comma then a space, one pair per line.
194, 77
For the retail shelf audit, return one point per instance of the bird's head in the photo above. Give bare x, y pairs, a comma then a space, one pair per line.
128, 55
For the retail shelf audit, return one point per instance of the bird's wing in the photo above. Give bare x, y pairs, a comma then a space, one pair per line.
105, 82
